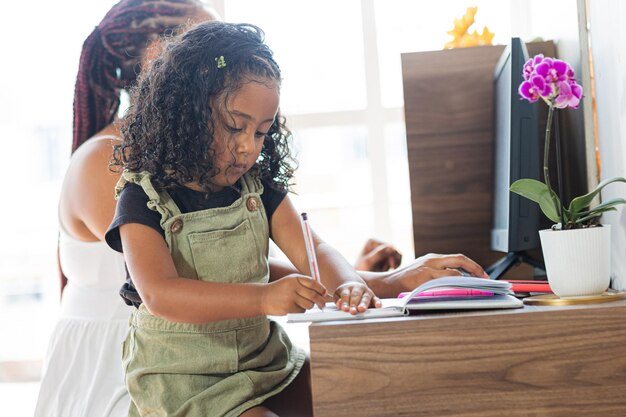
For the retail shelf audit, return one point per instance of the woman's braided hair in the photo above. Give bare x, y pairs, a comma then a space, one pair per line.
111, 56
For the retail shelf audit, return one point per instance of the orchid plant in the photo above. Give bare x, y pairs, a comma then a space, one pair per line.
552, 80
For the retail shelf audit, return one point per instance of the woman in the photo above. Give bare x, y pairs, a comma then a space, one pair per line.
82, 373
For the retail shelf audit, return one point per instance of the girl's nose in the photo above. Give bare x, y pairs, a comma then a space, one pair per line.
245, 144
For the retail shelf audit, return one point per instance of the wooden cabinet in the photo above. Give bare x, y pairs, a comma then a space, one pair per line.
535, 361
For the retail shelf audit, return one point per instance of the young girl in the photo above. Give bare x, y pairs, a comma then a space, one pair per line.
207, 169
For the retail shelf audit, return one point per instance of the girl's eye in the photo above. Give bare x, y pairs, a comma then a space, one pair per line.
232, 129
261, 134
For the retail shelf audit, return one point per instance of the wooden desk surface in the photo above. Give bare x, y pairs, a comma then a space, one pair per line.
536, 361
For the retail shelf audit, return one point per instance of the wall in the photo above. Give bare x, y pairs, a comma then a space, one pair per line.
607, 30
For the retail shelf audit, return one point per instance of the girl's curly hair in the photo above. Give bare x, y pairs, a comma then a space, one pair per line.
169, 127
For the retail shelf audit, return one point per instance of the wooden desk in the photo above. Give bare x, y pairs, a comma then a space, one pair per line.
535, 361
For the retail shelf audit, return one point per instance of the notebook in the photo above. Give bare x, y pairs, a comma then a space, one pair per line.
525, 286
447, 293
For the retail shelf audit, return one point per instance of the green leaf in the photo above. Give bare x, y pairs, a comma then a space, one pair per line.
538, 192
595, 214
601, 207
583, 201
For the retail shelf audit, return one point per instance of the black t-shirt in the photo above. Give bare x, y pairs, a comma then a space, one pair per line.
132, 208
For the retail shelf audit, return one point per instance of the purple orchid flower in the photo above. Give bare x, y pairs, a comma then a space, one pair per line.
535, 88
569, 95
577, 90
552, 80
529, 66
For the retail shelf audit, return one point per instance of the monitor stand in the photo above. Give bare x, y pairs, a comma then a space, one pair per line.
499, 268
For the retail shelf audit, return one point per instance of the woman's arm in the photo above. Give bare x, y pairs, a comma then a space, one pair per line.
378, 256
86, 204
180, 299
422, 269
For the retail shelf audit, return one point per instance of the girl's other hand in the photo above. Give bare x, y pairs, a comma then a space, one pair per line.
291, 294
355, 297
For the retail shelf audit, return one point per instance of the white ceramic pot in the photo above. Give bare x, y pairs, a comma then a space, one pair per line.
577, 261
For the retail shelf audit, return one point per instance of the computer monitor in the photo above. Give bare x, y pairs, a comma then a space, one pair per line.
517, 154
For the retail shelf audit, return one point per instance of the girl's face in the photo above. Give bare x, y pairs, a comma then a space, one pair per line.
239, 138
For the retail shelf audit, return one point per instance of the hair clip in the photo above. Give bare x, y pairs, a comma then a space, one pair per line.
221, 62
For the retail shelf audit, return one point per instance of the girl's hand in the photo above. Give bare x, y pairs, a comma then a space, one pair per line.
355, 297
291, 294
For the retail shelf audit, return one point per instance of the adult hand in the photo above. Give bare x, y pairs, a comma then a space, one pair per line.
355, 297
292, 294
378, 256
424, 269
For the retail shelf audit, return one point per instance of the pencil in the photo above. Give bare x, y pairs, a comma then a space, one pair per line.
310, 249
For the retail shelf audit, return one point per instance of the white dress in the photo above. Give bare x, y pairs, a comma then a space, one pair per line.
82, 374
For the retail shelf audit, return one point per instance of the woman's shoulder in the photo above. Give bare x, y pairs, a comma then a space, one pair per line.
93, 155
87, 193
90, 163
97, 148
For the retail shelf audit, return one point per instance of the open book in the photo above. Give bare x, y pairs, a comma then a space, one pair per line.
447, 293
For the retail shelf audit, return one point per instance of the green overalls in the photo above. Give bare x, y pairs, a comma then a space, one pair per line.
211, 369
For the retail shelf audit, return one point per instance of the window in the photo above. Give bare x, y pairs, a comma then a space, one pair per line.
322, 72
342, 96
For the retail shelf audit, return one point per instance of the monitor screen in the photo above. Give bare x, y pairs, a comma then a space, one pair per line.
516, 155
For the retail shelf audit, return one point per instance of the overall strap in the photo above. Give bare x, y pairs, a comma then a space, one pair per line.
158, 201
